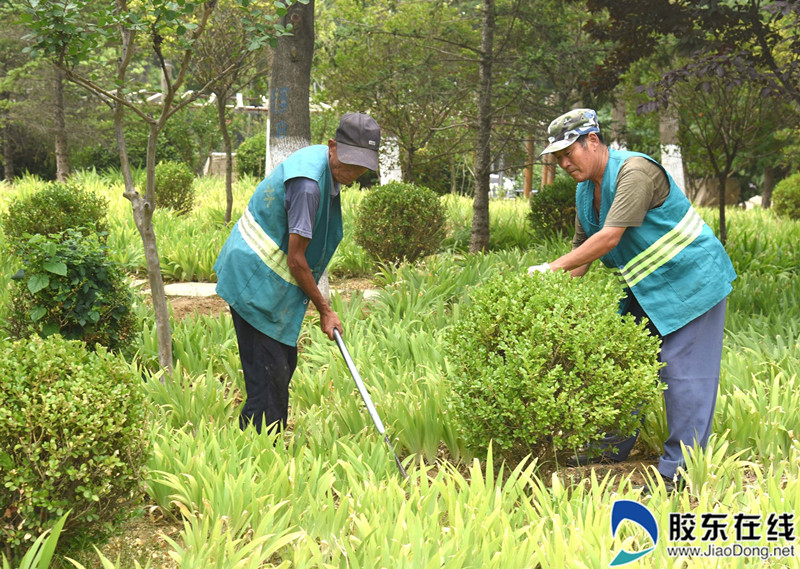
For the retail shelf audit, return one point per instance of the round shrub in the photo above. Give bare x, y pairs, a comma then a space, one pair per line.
553, 209
68, 285
544, 364
72, 439
786, 197
400, 222
173, 186
250, 156
53, 209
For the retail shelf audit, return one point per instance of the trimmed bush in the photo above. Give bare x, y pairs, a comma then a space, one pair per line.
786, 197
400, 222
73, 438
545, 364
250, 156
53, 209
553, 209
174, 186
69, 286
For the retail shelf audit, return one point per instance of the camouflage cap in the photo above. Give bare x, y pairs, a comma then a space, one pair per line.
567, 128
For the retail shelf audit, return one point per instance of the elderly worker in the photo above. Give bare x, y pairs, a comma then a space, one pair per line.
271, 263
634, 218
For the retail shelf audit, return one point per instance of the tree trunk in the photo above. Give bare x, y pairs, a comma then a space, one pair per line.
290, 123
226, 138
479, 240
723, 231
548, 169
671, 157
8, 154
769, 184
619, 125
407, 164
290, 120
60, 126
143, 217
527, 189
142, 209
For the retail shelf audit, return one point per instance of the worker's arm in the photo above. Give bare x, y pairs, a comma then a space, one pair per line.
298, 266
578, 260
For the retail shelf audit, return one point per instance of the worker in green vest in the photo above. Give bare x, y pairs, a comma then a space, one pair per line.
270, 265
633, 217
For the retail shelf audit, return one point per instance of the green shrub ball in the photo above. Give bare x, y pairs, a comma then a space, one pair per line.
399, 222
72, 439
544, 364
552, 209
250, 157
174, 186
53, 209
786, 197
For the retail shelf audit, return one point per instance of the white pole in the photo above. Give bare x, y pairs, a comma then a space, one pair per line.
267, 161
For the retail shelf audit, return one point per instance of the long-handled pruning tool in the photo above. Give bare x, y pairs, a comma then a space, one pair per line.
365, 396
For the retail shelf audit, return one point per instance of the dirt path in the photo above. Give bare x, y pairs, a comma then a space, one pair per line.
183, 306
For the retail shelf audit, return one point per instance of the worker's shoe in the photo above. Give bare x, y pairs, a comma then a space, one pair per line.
671, 485
587, 459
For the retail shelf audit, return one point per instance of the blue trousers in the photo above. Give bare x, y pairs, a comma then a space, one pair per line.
693, 356
268, 366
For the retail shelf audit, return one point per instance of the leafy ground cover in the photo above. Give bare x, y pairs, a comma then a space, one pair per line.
327, 494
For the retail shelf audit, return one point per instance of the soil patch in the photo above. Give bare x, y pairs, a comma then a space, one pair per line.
185, 306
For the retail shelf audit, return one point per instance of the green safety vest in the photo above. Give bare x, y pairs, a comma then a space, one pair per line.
252, 268
673, 264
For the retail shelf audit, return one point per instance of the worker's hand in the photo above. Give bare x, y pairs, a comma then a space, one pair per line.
328, 321
543, 268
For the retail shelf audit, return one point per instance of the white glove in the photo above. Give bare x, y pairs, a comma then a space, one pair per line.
543, 268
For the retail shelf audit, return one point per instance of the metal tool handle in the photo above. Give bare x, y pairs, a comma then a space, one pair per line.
359, 383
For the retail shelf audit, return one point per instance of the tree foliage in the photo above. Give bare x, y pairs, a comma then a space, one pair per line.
759, 38
404, 63
224, 63
726, 124
416, 67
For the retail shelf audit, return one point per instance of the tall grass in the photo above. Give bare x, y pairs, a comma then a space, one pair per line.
327, 494
188, 244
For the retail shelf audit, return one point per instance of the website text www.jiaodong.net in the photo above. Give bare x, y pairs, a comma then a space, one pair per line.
763, 552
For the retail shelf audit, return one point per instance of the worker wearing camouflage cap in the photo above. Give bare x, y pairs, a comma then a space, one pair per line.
633, 217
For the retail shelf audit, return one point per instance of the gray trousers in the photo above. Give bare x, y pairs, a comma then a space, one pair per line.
693, 356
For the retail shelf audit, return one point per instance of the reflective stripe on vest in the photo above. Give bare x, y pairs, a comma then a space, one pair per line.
264, 246
669, 245
617, 274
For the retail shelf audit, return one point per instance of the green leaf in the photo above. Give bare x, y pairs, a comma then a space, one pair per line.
49, 329
56, 267
49, 546
37, 283
38, 312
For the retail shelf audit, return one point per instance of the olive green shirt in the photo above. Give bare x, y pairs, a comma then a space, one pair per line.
641, 186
